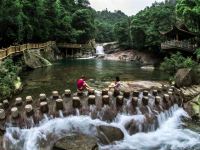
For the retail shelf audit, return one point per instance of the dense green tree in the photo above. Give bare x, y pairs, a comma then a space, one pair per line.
122, 33
189, 10
10, 22
105, 22
150, 22
83, 22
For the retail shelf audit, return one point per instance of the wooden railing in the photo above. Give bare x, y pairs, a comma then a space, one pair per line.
181, 45
69, 45
20, 48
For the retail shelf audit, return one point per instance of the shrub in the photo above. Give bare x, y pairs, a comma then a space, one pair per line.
175, 62
8, 75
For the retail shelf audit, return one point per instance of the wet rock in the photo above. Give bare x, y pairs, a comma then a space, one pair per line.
109, 134
183, 77
190, 92
34, 59
193, 108
76, 142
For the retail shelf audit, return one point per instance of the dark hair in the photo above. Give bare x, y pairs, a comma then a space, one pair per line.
117, 78
82, 76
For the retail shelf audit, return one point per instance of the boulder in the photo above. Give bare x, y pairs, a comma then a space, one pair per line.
190, 93
76, 142
193, 108
184, 77
109, 134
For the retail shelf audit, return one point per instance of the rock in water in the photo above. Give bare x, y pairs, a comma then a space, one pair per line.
109, 134
75, 142
183, 77
193, 108
34, 59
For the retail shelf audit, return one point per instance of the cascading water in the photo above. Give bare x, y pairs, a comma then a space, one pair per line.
100, 50
169, 134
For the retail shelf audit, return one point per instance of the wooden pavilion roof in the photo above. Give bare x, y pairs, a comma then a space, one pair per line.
182, 32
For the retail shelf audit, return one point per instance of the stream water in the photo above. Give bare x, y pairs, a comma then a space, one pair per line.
170, 134
64, 73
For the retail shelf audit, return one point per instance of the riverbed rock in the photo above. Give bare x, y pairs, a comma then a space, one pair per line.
193, 108
190, 92
183, 77
34, 59
109, 134
139, 85
76, 142
133, 55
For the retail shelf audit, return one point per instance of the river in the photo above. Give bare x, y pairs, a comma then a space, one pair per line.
170, 135
64, 73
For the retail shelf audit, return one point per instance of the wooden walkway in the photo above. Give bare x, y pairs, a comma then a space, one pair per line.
4, 53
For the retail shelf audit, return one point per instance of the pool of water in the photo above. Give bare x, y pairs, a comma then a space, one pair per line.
64, 73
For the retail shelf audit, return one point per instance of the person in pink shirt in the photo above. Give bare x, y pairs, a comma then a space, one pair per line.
81, 84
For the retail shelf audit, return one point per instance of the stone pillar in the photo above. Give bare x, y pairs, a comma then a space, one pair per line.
104, 92
59, 105
126, 94
29, 100
159, 90
2, 114
76, 102
105, 100
79, 93
55, 95
119, 101
145, 93
136, 93
166, 98
42, 97
91, 92
134, 101
164, 88
171, 98
44, 108
166, 101
29, 110
155, 93
157, 100
5, 104
91, 100
18, 101
67, 93
145, 100
116, 93
14, 113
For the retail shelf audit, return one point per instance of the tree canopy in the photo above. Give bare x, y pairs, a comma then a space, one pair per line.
43, 20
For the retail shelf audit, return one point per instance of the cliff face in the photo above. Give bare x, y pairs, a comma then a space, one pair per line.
36, 58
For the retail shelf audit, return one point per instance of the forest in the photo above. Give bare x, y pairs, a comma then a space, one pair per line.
74, 21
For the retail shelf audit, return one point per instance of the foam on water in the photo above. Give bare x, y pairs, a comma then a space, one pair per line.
169, 134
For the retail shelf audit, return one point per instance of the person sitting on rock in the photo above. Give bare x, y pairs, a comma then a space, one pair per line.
117, 84
82, 85
116, 87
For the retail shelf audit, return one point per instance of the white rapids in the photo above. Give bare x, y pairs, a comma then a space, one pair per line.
169, 135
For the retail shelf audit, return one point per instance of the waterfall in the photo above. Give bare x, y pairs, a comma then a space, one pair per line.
100, 50
168, 135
